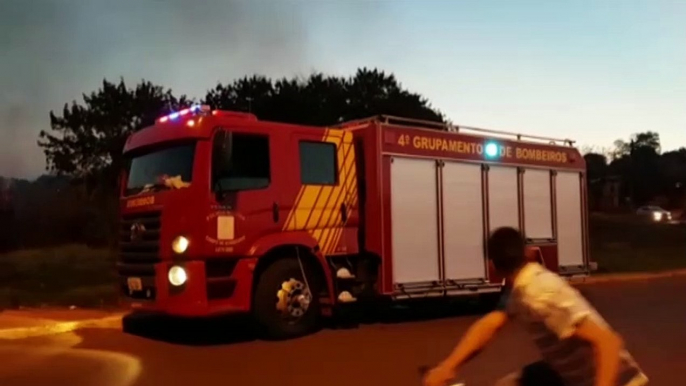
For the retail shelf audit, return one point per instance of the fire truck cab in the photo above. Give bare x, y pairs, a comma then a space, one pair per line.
224, 213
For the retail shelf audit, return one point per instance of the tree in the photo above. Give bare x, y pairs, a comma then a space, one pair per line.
597, 169
372, 92
596, 165
322, 100
86, 145
673, 175
673, 166
637, 162
649, 139
646, 140
88, 138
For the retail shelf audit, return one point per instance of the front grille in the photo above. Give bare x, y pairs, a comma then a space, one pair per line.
139, 238
139, 250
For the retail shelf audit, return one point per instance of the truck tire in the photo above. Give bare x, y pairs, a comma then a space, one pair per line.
281, 307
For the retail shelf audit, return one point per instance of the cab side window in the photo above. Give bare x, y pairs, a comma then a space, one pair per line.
240, 162
318, 164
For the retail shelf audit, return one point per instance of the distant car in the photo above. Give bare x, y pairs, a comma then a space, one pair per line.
654, 213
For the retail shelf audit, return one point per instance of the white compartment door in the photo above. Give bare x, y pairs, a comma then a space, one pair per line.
538, 205
503, 198
463, 222
414, 220
569, 221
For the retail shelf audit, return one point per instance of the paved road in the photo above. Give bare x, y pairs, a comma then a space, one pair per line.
650, 315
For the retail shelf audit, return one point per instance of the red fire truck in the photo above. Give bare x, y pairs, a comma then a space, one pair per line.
224, 213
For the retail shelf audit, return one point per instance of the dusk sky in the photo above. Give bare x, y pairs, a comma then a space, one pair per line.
595, 70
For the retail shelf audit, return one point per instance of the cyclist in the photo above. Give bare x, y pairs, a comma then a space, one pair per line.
577, 346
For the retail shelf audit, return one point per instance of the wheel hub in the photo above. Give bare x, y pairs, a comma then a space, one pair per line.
293, 299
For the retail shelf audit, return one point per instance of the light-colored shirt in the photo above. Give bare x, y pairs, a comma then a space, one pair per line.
550, 309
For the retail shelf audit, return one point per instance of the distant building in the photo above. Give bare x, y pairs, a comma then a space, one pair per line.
612, 193
605, 194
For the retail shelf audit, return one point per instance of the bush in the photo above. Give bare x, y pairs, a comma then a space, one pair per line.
86, 277
67, 275
625, 243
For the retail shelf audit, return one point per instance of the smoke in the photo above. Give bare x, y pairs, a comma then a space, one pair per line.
16, 150
54, 50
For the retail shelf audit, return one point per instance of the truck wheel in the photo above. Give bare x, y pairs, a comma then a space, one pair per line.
284, 306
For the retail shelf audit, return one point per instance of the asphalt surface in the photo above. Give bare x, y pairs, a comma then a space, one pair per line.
649, 314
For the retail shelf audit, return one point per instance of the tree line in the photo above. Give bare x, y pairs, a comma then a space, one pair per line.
86, 140
640, 171
77, 201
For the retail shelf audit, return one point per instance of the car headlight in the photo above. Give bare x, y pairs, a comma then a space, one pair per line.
180, 244
177, 276
657, 216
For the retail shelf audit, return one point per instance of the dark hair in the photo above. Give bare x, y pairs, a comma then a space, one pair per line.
506, 250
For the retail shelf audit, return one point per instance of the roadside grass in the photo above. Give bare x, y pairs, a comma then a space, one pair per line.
76, 275
624, 243
70, 275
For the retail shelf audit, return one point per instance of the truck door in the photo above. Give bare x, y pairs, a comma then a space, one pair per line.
245, 181
327, 202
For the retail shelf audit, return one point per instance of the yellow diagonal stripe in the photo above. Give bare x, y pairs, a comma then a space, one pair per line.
317, 208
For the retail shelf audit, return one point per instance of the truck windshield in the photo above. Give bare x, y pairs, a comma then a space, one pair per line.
168, 168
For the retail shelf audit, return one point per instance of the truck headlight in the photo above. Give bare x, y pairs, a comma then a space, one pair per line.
180, 244
177, 276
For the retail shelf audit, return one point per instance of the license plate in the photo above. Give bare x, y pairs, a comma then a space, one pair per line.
135, 284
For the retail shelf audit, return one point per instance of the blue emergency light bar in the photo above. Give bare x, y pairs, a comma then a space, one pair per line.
195, 109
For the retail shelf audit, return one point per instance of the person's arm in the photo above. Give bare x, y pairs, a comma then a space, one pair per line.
475, 339
608, 347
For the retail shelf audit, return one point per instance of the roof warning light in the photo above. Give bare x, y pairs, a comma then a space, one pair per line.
195, 109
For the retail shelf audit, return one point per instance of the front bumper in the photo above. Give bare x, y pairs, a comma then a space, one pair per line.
208, 291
